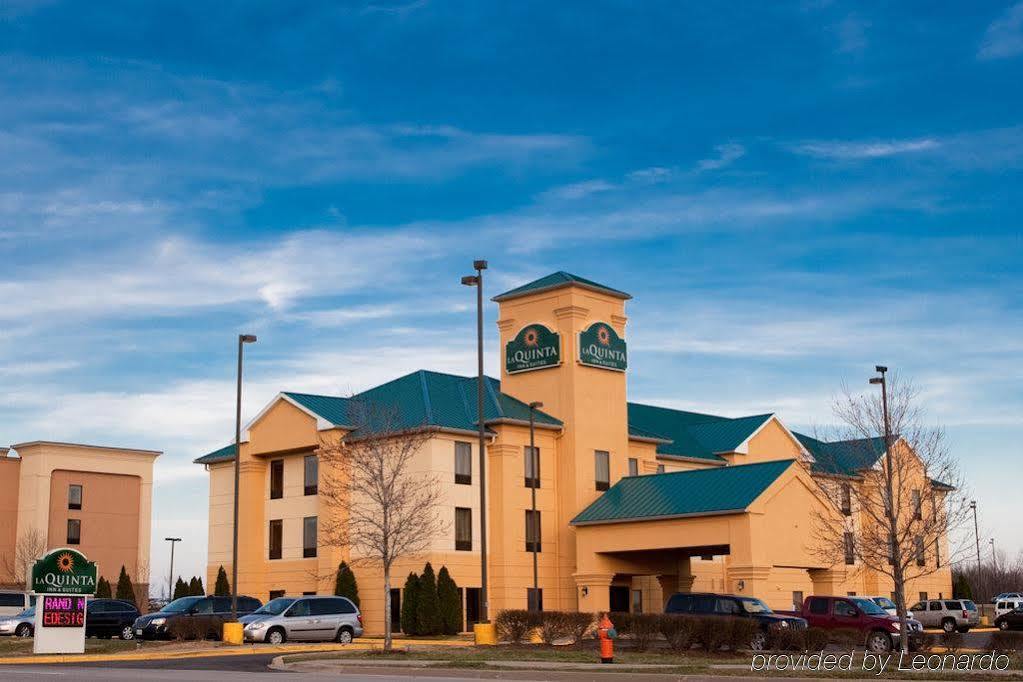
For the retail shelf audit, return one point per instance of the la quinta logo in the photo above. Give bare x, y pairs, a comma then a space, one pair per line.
600, 346
534, 347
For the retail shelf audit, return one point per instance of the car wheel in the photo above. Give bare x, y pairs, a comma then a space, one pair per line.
759, 641
127, 632
24, 630
1003, 625
948, 625
964, 629
276, 636
344, 636
879, 642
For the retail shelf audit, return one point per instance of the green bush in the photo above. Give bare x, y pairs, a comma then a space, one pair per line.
645, 628
450, 603
345, 584
579, 624
1007, 641
710, 634
845, 637
188, 628
786, 638
816, 639
428, 610
741, 632
222, 587
410, 605
124, 588
103, 589
622, 621
554, 625
513, 625
679, 631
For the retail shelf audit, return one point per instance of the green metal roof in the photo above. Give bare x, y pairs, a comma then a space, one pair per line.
558, 280
693, 434
419, 399
683, 493
845, 457
224, 454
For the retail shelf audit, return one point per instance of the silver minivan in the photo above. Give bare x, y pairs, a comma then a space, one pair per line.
12, 603
310, 619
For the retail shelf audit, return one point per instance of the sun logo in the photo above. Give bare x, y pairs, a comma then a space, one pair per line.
604, 336
65, 563
531, 338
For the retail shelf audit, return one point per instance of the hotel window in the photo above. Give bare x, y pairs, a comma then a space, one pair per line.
534, 599
918, 541
533, 530
846, 499
923, 596
463, 529
637, 601
603, 469
276, 479
532, 457
276, 594
311, 470
463, 463
633, 466
660, 468
797, 600
74, 531
850, 549
309, 536
74, 496
917, 506
276, 538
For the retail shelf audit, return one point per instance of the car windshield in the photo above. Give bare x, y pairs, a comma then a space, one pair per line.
754, 606
274, 607
868, 607
885, 603
181, 605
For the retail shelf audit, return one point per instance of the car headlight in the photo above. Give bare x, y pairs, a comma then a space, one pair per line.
896, 627
158, 621
785, 624
258, 625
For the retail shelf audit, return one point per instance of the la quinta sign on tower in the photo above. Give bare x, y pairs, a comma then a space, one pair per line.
534, 347
600, 346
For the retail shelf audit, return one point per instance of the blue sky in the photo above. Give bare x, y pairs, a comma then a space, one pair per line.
792, 192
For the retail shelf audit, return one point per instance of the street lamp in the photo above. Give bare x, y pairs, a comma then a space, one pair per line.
976, 530
170, 579
477, 281
535, 469
890, 502
242, 340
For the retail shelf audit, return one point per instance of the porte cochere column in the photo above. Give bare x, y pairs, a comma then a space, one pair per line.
594, 591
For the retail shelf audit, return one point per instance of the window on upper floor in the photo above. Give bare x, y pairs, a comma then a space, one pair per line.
846, 499
850, 549
918, 543
276, 538
74, 496
463, 463
532, 459
309, 536
602, 461
311, 474
633, 466
918, 509
533, 531
276, 479
74, 531
463, 529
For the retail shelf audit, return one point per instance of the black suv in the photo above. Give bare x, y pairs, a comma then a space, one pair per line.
725, 605
1010, 620
192, 617
110, 618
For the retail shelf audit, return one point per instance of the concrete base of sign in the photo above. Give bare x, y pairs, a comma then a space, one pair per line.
485, 634
57, 640
233, 633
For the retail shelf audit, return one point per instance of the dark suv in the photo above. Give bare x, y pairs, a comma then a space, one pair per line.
707, 604
192, 617
110, 618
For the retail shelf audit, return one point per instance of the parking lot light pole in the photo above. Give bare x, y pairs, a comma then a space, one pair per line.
242, 340
976, 530
170, 579
477, 281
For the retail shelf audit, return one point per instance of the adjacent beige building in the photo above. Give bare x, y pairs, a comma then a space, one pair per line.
96, 499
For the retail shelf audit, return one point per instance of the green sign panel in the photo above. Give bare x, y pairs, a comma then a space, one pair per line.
534, 347
600, 346
64, 571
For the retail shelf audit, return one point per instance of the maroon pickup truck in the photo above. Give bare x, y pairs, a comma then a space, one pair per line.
880, 629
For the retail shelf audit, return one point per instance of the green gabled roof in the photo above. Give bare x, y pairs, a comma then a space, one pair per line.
419, 399
558, 280
845, 457
693, 434
224, 454
684, 493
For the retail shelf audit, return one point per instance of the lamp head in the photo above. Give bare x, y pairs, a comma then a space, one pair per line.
470, 280
880, 368
876, 380
479, 265
536, 404
173, 539
247, 338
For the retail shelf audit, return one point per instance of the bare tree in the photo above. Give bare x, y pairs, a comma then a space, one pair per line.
384, 504
894, 510
18, 563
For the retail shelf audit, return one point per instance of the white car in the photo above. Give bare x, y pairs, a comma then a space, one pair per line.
1006, 596
889, 606
21, 625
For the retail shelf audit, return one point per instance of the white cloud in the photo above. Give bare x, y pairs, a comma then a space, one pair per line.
1004, 37
872, 149
727, 154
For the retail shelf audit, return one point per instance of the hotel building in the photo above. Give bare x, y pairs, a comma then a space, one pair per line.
634, 501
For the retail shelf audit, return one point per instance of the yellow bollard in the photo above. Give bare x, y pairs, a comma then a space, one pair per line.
485, 634
233, 633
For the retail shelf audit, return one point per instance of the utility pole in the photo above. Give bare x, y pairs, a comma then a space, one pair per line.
242, 340
170, 579
976, 530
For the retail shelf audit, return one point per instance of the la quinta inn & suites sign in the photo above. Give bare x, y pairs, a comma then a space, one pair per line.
63, 579
64, 571
600, 346
534, 347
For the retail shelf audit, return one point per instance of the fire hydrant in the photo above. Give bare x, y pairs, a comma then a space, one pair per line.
606, 634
